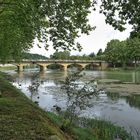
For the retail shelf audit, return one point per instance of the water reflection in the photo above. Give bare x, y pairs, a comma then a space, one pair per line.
134, 101
113, 96
119, 109
135, 77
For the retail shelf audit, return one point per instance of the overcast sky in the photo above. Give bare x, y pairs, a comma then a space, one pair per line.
97, 38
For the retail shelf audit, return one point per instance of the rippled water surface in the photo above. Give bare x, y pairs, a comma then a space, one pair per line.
121, 110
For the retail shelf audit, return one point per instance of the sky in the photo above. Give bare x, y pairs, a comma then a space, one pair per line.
97, 38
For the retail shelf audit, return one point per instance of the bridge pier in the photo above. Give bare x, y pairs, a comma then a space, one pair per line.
43, 67
65, 66
21, 67
104, 65
82, 66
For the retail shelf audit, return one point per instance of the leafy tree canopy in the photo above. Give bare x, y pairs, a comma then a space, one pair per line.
120, 12
59, 21
100, 52
33, 56
92, 55
61, 55
134, 49
127, 51
111, 51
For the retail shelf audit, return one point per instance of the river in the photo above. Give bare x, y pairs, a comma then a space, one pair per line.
117, 108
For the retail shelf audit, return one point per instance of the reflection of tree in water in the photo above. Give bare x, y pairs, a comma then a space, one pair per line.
133, 101
113, 96
35, 83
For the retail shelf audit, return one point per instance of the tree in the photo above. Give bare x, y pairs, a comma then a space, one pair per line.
79, 96
59, 21
92, 55
18, 27
123, 54
100, 52
61, 55
112, 51
33, 56
134, 49
100, 55
117, 51
121, 12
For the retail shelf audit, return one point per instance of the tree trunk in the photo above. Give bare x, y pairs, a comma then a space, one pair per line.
114, 65
124, 65
135, 64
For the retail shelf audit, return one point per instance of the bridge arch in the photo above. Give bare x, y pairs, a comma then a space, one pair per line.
93, 66
79, 66
44, 66
55, 66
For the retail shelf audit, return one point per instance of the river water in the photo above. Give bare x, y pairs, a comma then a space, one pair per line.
119, 109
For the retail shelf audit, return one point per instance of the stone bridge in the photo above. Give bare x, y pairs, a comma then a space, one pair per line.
43, 64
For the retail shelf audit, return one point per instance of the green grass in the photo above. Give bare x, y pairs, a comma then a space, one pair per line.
7, 68
93, 129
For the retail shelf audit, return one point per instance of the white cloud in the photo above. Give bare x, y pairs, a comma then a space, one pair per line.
101, 35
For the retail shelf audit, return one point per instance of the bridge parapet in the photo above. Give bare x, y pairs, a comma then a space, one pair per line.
59, 61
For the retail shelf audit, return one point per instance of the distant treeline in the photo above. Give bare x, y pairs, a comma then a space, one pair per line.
33, 56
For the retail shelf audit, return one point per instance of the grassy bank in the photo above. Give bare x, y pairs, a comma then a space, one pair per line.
20, 119
93, 129
7, 68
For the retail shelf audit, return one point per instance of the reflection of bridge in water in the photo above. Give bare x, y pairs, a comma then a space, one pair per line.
43, 64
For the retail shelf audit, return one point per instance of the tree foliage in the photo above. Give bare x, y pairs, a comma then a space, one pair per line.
79, 95
18, 26
121, 12
123, 53
60, 21
127, 51
33, 56
133, 49
112, 50
100, 52
92, 55
61, 55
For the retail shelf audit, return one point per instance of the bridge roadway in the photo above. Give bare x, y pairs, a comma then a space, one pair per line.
43, 64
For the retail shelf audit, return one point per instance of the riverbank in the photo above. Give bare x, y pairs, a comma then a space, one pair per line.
3, 68
115, 86
22, 119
